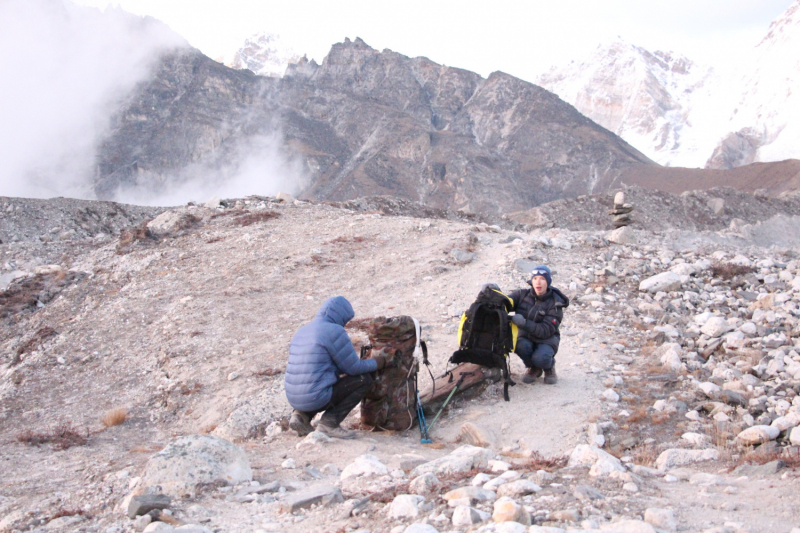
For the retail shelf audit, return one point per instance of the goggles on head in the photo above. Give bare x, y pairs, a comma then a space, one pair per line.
539, 273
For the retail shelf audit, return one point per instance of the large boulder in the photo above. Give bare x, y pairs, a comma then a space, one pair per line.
249, 418
188, 461
675, 457
666, 281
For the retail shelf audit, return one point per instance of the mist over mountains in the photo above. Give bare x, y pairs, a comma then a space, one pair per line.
65, 70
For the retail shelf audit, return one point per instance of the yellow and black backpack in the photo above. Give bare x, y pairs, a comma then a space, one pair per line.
486, 335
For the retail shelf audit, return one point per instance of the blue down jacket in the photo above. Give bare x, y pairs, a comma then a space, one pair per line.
319, 352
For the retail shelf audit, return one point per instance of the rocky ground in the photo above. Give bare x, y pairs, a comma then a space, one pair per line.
132, 359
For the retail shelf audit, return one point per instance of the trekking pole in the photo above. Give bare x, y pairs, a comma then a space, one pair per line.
423, 426
452, 392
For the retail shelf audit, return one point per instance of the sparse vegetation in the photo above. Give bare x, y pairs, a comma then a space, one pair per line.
114, 417
254, 217
728, 271
62, 436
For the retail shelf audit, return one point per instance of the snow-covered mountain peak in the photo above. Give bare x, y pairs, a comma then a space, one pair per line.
265, 54
642, 96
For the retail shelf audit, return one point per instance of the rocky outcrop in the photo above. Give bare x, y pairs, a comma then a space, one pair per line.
363, 123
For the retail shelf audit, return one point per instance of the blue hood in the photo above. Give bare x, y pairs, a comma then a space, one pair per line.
336, 310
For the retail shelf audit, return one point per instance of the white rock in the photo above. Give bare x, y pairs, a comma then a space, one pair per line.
507, 510
696, 439
628, 526
465, 517
605, 466
716, 326
623, 235
462, 459
499, 466
675, 457
510, 527
794, 436
546, 529
610, 395
405, 506
313, 440
424, 484
661, 518
518, 489
666, 281
709, 389
157, 526
188, 461
420, 528
787, 422
630, 487
481, 479
702, 318
364, 465
741, 260
758, 435
748, 328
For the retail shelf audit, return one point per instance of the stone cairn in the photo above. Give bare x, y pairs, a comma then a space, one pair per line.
621, 213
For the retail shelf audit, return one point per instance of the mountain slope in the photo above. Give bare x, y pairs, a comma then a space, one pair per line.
765, 124
362, 123
647, 98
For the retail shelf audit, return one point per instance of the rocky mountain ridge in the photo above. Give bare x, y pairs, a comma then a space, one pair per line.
363, 123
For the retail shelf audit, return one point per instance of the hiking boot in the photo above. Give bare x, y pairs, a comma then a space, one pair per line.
337, 432
531, 374
300, 423
550, 376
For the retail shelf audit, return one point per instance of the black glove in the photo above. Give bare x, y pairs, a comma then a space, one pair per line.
490, 286
519, 320
381, 360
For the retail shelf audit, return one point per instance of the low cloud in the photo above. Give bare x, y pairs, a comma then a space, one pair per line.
65, 71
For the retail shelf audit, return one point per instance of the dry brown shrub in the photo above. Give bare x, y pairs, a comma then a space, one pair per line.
268, 372
538, 462
728, 271
645, 454
205, 430
347, 239
62, 436
41, 335
252, 218
114, 417
638, 415
67, 512
191, 389
659, 418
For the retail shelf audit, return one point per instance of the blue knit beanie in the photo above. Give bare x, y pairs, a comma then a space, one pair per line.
544, 271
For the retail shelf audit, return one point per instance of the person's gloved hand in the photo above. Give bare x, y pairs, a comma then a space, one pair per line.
381, 360
519, 320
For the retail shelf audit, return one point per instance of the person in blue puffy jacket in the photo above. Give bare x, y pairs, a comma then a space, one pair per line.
324, 372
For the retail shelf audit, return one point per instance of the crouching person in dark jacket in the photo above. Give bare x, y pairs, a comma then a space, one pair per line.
325, 373
538, 314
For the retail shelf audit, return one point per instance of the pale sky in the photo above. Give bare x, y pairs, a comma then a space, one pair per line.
522, 38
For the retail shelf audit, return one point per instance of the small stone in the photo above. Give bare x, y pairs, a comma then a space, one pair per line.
661, 518
518, 489
141, 522
716, 327
565, 515
499, 466
585, 492
766, 469
155, 527
313, 440
289, 464
324, 495
610, 395
630, 487
405, 506
476, 435
507, 510
474, 494
628, 526
666, 282
794, 436
510, 527
675, 457
480, 479
424, 484
143, 504
418, 528
468, 516
364, 465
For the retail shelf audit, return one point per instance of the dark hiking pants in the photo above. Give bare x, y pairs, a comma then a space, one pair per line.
535, 355
347, 393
